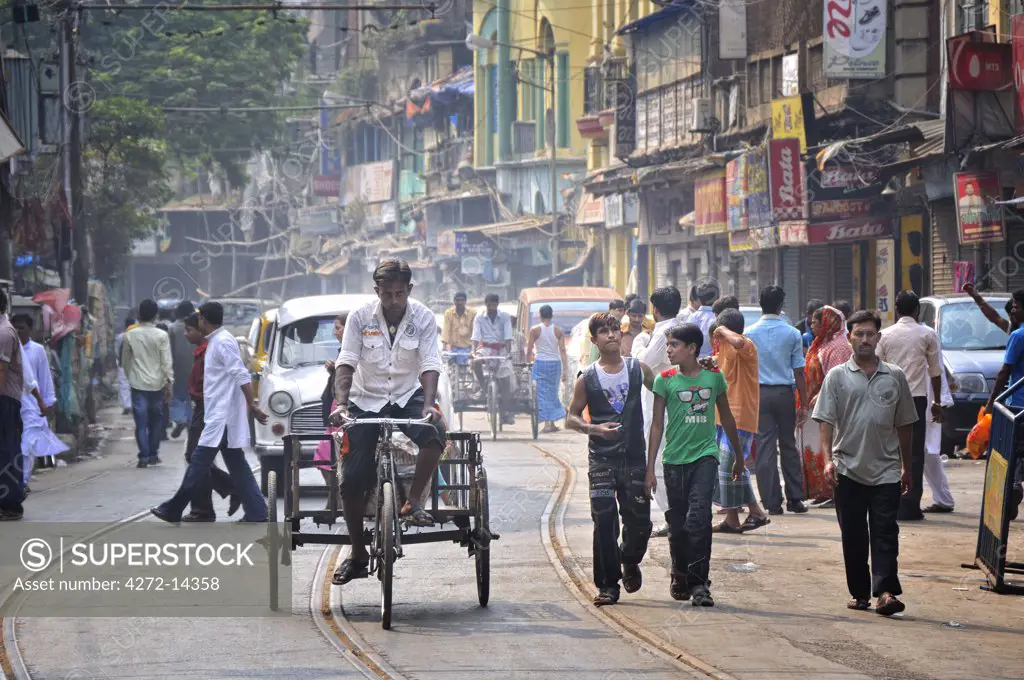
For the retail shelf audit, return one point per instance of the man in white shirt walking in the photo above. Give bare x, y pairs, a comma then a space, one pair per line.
37, 440
915, 349
706, 292
228, 399
666, 303
388, 367
146, 360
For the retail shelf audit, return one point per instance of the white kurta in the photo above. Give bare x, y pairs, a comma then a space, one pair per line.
224, 374
37, 440
933, 430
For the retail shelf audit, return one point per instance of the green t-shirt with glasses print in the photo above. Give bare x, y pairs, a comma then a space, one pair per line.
690, 416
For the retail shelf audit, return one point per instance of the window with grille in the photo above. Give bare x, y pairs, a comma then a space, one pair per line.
776, 78
765, 68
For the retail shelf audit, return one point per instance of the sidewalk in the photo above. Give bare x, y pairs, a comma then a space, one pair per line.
780, 597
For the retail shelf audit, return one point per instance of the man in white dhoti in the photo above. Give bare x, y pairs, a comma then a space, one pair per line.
37, 439
665, 303
228, 400
124, 392
934, 472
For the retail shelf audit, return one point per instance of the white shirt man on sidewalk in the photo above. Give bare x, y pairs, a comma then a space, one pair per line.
665, 303
915, 349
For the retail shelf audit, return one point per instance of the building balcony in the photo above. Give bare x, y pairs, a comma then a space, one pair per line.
446, 156
524, 138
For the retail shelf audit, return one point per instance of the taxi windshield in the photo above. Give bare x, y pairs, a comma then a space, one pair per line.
308, 342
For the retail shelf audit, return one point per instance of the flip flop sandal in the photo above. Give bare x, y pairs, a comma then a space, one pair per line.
724, 527
417, 516
606, 596
679, 591
632, 578
752, 523
858, 605
889, 607
349, 571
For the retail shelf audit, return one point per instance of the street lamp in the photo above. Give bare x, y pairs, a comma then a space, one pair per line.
478, 43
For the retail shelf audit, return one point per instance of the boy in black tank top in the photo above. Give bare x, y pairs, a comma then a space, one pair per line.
610, 389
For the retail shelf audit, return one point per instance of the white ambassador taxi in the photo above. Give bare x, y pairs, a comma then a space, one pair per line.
293, 378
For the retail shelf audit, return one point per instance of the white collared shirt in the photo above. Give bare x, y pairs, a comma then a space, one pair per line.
224, 374
498, 331
386, 374
914, 348
655, 354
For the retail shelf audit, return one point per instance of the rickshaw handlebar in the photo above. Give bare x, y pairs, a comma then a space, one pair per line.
349, 422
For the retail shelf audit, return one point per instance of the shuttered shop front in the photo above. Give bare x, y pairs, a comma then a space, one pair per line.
818, 273
842, 273
796, 301
1013, 266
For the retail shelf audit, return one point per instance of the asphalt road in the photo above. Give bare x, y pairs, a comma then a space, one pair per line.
533, 628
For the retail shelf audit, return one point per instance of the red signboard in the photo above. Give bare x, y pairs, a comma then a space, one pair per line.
865, 229
980, 219
979, 66
787, 179
709, 204
1017, 39
840, 209
792, 233
327, 185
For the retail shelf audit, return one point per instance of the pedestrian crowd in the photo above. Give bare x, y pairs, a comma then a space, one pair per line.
697, 409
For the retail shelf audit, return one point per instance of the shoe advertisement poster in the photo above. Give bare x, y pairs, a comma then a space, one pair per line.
855, 38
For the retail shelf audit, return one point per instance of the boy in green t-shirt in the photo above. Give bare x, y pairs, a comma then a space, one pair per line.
690, 394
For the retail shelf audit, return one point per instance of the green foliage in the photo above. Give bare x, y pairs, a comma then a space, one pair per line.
124, 163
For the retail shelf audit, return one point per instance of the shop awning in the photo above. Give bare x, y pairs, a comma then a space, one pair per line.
506, 229
444, 90
571, 276
667, 12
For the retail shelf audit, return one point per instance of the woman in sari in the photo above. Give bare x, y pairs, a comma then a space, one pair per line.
830, 348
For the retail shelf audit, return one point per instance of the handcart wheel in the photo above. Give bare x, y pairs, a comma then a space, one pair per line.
387, 564
483, 547
534, 420
492, 409
274, 544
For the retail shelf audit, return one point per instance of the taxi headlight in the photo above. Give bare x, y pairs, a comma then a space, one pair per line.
281, 403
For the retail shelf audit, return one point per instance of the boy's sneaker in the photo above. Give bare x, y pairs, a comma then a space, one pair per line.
700, 596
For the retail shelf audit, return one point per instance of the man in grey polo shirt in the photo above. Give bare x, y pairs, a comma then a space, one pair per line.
867, 416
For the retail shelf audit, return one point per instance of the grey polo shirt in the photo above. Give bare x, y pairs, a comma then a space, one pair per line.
865, 413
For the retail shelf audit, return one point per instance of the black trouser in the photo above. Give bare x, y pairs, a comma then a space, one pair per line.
776, 438
689, 488
218, 480
11, 464
617, 490
910, 505
867, 521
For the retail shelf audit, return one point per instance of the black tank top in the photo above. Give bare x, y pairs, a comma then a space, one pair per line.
631, 444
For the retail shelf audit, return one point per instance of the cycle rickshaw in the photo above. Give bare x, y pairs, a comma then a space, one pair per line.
464, 398
457, 500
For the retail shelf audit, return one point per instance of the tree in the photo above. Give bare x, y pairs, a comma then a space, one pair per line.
124, 163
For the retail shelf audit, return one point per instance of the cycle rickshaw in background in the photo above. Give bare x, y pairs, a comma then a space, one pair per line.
467, 397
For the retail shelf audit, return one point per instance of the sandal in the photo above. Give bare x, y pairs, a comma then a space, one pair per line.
858, 604
349, 571
416, 515
679, 591
606, 596
751, 523
632, 577
888, 605
724, 527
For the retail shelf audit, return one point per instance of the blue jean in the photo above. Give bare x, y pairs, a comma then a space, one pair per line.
198, 474
181, 410
148, 409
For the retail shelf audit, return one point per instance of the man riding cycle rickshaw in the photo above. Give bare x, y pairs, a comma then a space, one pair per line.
492, 346
388, 367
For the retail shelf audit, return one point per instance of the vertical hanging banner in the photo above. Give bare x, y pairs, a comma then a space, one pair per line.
885, 278
758, 203
787, 179
732, 29
854, 36
1017, 40
979, 218
736, 192
788, 120
709, 204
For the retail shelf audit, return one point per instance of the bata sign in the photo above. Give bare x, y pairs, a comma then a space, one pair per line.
327, 185
786, 175
849, 230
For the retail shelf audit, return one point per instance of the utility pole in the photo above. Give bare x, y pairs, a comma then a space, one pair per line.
73, 101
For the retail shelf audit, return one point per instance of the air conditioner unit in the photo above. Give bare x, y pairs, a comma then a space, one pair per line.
703, 115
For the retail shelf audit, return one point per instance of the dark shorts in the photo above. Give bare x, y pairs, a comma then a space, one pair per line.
358, 469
